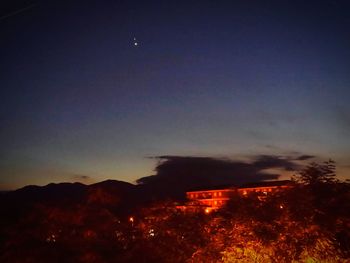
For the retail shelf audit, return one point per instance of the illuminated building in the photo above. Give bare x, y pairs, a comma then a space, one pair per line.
209, 199
263, 188
214, 199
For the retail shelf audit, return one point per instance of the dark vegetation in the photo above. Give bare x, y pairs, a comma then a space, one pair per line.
119, 222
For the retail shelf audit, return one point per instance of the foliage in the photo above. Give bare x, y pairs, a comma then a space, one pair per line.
316, 173
305, 223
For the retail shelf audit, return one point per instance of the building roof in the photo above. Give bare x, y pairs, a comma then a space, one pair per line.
267, 184
247, 185
213, 188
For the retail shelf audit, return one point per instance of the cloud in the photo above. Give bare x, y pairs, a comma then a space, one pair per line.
304, 157
270, 161
81, 178
181, 173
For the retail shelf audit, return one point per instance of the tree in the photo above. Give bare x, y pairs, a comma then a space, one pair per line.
316, 173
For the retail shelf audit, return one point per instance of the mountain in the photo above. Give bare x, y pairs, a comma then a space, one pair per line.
116, 196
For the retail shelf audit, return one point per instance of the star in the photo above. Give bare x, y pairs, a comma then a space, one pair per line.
135, 42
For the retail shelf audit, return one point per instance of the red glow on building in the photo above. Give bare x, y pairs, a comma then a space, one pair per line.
214, 199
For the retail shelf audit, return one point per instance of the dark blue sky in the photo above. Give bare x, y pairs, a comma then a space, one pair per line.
228, 79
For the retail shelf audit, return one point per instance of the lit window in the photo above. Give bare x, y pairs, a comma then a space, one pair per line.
215, 194
220, 193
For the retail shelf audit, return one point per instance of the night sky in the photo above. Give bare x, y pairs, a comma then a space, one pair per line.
236, 79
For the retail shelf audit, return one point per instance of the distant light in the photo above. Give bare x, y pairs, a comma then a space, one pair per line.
131, 219
136, 43
51, 238
207, 210
281, 206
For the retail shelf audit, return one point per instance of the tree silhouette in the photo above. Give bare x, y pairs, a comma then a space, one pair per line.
316, 173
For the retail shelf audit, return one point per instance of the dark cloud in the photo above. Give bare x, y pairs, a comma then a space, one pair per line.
270, 161
181, 173
81, 177
304, 157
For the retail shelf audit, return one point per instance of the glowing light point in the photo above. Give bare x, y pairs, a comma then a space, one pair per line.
135, 42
